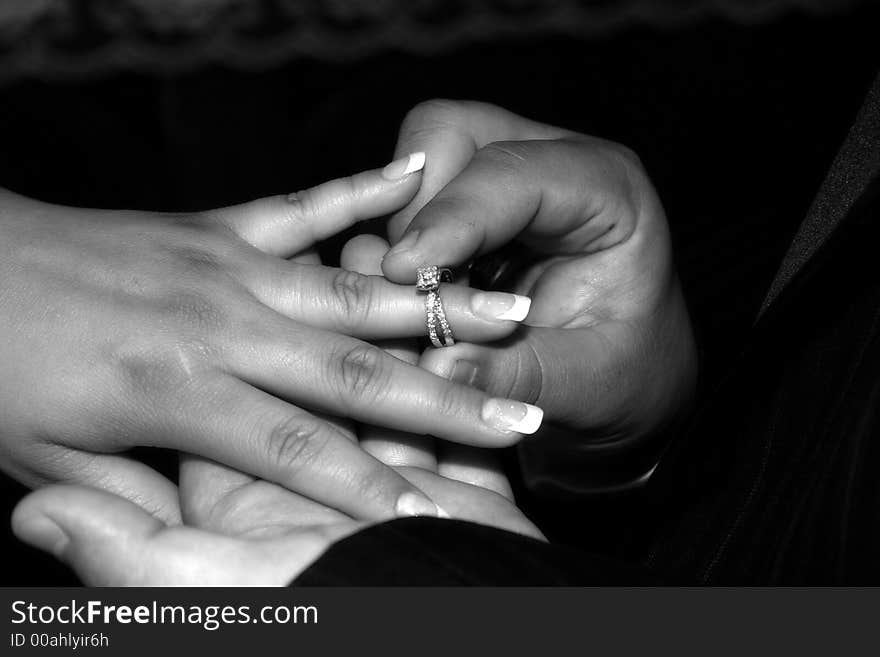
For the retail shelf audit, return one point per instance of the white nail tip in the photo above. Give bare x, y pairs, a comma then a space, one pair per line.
441, 513
509, 415
415, 163
532, 421
519, 311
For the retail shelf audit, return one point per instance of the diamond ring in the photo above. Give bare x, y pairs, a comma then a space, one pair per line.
428, 280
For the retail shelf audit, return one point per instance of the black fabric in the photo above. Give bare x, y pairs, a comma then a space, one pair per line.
857, 162
429, 552
777, 479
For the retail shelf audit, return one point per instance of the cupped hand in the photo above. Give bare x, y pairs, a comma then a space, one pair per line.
192, 332
607, 349
242, 531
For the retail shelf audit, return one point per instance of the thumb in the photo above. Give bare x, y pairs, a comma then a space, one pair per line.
577, 376
98, 534
108, 540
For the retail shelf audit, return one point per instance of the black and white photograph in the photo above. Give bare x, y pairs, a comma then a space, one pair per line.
439, 293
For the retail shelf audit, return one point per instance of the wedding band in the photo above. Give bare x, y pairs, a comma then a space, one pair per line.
428, 280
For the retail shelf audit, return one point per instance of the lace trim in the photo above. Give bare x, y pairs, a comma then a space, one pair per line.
70, 38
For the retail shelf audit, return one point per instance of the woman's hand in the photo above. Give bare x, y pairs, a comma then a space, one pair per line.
246, 532
607, 350
191, 332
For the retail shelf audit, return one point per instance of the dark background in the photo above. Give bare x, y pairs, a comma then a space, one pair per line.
736, 124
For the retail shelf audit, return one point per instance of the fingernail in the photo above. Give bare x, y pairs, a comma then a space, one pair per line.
510, 415
404, 166
413, 504
409, 240
500, 306
42, 532
464, 371
441, 512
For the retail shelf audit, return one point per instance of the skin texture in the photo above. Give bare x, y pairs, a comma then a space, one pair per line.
193, 332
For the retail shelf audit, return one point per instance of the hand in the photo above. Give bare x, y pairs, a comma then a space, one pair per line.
191, 332
472, 465
247, 532
206, 486
607, 351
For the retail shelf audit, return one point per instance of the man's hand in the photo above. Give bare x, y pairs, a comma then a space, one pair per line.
607, 350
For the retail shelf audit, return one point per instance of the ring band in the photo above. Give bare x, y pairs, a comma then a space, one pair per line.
428, 280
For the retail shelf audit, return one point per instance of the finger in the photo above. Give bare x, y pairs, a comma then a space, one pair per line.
449, 133
110, 541
565, 196
363, 254
117, 474
307, 257
468, 502
472, 465
342, 376
203, 485
221, 499
100, 535
475, 466
254, 432
372, 308
284, 225
608, 362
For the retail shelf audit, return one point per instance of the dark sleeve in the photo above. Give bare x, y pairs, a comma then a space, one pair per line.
432, 552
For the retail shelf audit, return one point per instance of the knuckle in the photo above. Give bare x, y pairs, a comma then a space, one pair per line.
629, 157
450, 402
360, 372
196, 311
376, 483
347, 188
212, 257
508, 155
160, 372
295, 442
300, 206
353, 296
625, 162
431, 115
528, 377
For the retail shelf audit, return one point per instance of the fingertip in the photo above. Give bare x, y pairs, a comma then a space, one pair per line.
416, 504
510, 415
501, 306
31, 524
400, 263
363, 254
404, 166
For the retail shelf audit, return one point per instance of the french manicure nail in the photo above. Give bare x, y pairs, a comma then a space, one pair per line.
501, 306
413, 504
43, 533
510, 415
404, 166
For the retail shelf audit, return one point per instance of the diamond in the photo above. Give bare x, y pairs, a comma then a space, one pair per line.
428, 278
